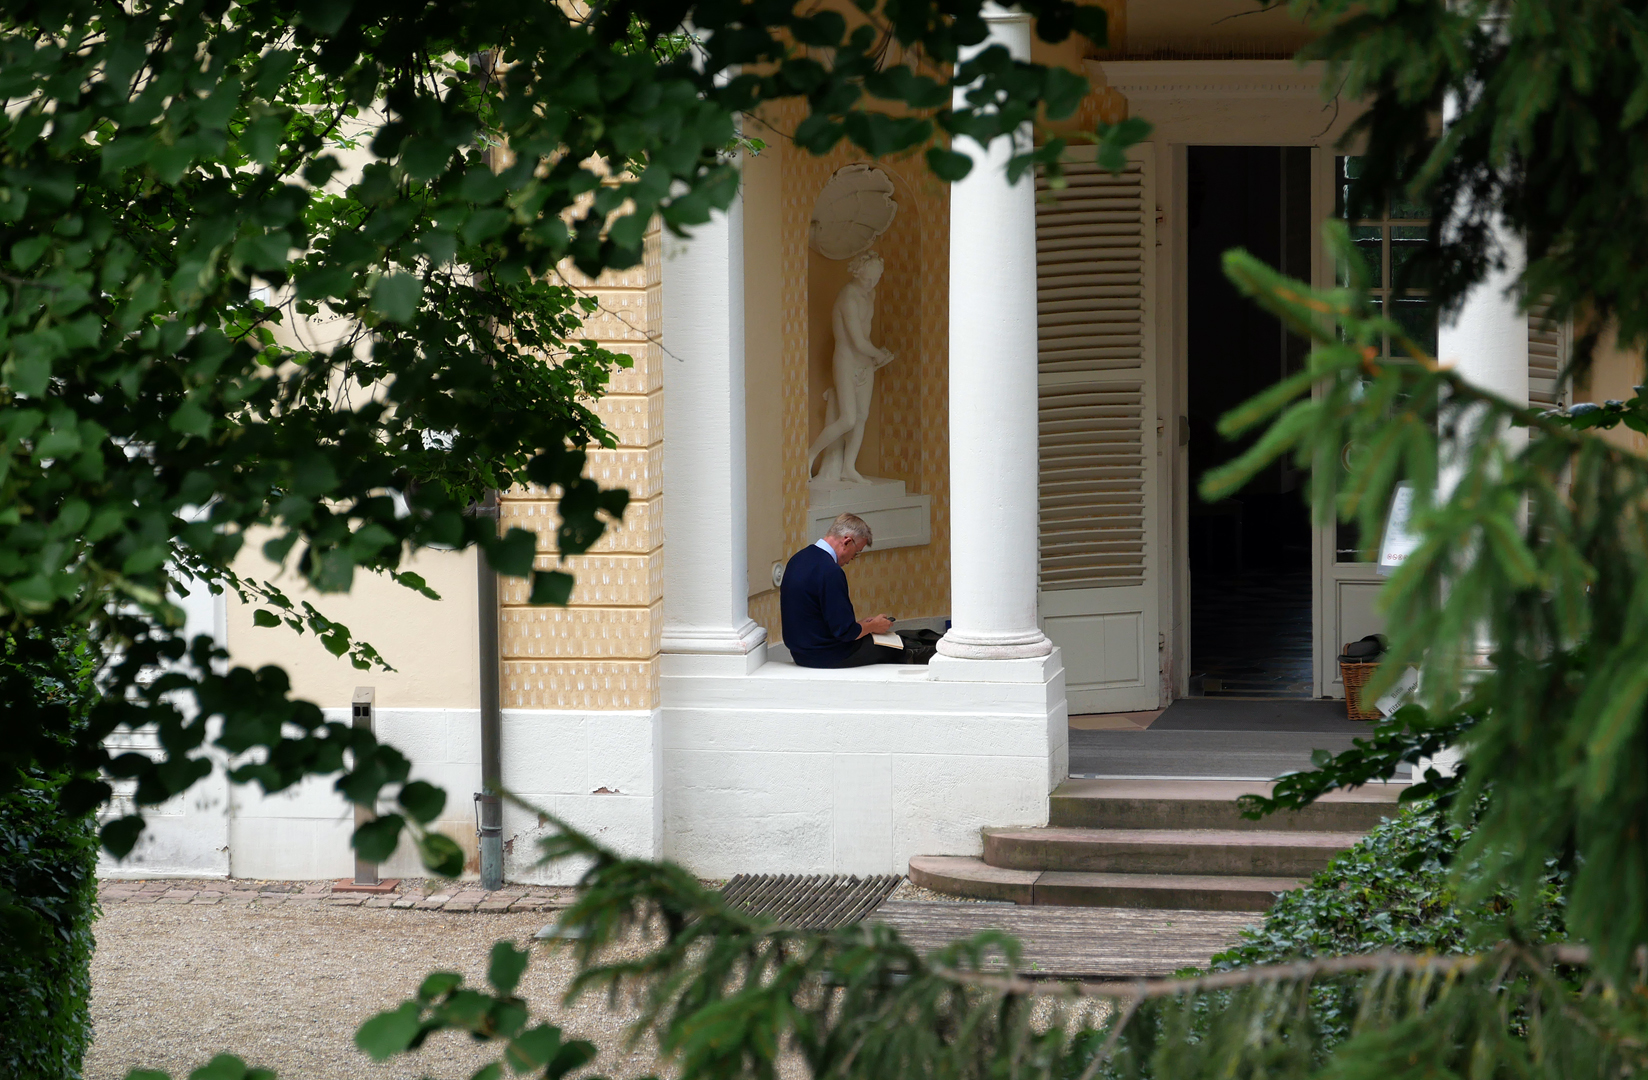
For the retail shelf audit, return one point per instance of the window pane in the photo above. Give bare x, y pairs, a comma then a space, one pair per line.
1416, 316
1407, 272
1369, 241
1347, 544
1403, 207
1349, 169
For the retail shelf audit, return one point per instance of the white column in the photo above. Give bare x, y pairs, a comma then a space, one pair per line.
993, 467
1487, 343
1487, 340
706, 576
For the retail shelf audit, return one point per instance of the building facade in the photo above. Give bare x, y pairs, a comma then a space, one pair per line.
1058, 359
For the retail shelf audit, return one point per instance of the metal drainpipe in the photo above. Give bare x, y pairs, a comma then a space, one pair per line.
489, 800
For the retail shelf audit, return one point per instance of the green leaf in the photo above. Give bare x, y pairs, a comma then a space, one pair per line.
438, 984
30, 374
191, 419
25, 253
948, 164
513, 553
390, 1033
221, 1067
533, 1048
396, 297
507, 967
441, 854
120, 835
551, 587
376, 840
265, 617
572, 1056
423, 801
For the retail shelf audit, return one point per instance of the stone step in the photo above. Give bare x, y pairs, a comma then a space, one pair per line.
1219, 852
968, 876
1211, 804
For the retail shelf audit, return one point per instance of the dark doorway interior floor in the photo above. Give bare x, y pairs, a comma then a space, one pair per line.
1250, 636
1218, 739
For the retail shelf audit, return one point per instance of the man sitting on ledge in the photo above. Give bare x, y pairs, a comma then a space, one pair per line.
820, 628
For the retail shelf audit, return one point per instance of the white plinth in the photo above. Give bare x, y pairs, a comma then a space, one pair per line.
896, 518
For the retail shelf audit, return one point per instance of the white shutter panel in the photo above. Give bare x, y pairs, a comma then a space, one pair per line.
1547, 353
1090, 281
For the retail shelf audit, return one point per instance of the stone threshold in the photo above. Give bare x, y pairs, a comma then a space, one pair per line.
457, 897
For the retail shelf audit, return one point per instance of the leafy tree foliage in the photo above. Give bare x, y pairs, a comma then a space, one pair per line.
1548, 103
1534, 557
191, 191
1396, 888
48, 887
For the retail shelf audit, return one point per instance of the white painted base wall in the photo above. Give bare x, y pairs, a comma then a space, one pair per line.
595, 769
798, 771
598, 771
778, 770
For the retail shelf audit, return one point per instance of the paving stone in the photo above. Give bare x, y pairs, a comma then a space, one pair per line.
438, 899
402, 903
459, 905
206, 898
142, 898
345, 901
377, 901
492, 906
429, 905
173, 899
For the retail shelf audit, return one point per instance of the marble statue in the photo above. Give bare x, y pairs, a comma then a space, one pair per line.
856, 361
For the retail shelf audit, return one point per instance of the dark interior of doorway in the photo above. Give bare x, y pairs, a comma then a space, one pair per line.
1250, 554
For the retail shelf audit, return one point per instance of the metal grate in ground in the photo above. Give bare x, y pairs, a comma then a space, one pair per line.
816, 902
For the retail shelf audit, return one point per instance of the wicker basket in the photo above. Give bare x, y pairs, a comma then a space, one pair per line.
1356, 677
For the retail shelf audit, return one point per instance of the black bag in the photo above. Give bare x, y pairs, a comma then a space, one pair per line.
920, 646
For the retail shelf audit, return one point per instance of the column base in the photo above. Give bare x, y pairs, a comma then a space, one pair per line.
713, 649
1014, 645
1029, 669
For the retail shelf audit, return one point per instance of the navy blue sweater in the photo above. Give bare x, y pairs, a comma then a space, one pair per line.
819, 624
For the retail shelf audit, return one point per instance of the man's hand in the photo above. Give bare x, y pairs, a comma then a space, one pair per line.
878, 624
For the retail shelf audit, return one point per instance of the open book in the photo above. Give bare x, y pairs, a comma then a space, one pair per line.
892, 641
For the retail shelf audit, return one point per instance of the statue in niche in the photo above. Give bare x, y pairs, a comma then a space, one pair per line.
855, 363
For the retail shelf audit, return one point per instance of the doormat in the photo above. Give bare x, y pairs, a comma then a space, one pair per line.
817, 902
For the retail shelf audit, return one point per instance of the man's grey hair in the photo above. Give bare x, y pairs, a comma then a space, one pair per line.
851, 526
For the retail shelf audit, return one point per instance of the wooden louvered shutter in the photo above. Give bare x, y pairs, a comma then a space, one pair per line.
1547, 353
1095, 252
1090, 302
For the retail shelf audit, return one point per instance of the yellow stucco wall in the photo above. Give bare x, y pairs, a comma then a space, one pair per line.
1614, 375
601, 651
788, 358
430, 643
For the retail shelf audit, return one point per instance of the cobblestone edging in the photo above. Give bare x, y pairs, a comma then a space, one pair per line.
417, 894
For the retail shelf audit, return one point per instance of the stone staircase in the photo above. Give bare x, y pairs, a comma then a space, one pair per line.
1159, 844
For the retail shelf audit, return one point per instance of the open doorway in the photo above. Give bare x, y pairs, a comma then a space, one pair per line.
1250, 554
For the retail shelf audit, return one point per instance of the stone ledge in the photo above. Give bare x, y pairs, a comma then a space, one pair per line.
458, 897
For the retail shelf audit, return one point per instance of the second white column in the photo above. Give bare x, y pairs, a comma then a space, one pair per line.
993, 432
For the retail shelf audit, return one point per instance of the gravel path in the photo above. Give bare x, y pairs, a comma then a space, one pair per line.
286, 987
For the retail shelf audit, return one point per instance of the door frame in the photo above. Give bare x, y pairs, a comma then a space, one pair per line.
1173, 240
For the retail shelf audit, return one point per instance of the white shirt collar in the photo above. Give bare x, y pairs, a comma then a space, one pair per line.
825, 544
